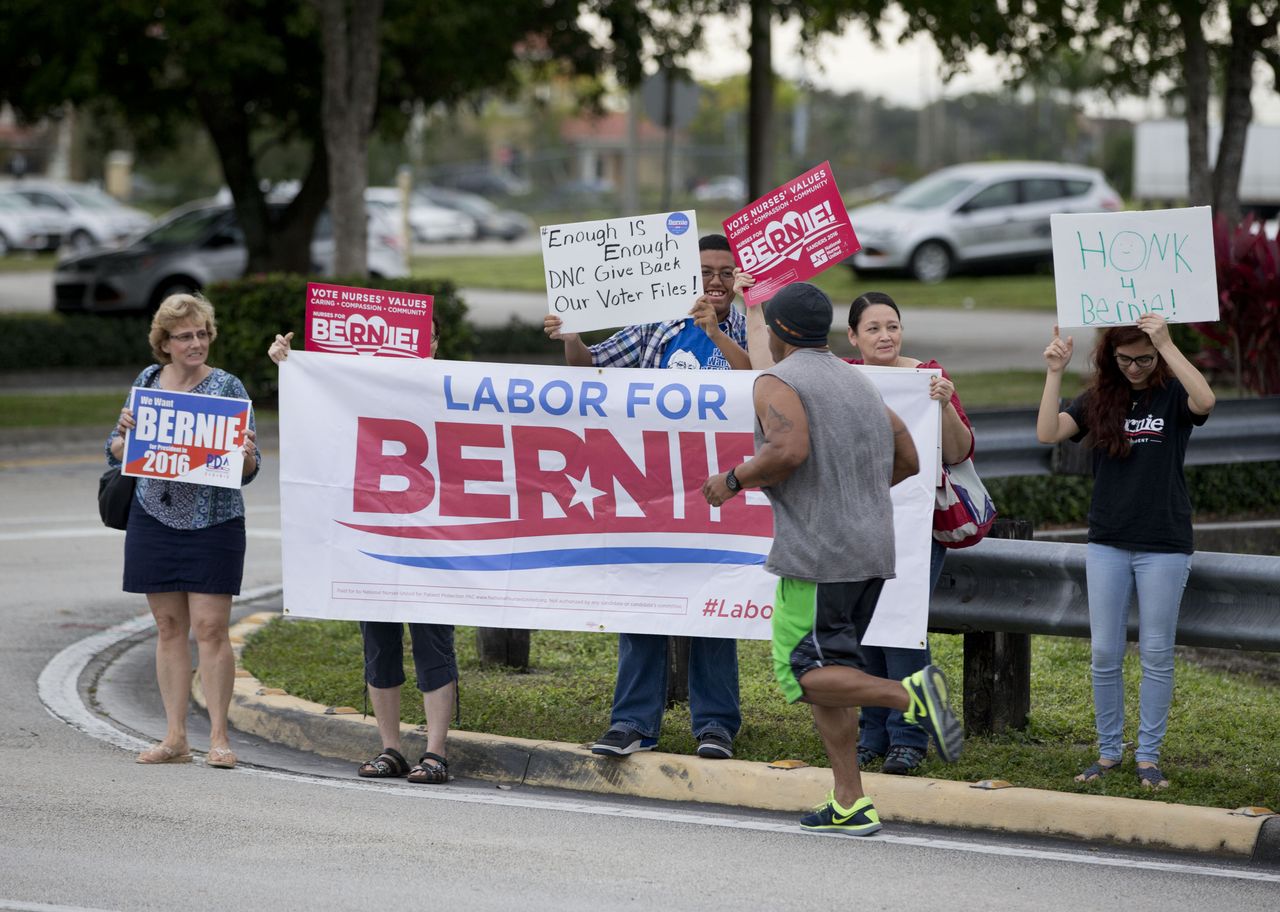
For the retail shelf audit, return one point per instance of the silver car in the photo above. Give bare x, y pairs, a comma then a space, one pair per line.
191, 247
969, 215
92, 217
28, 228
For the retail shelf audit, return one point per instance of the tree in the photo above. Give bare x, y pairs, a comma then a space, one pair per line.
351, 55
249, 73
1182, 43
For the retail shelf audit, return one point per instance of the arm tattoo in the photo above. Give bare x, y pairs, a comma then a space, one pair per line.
779, 421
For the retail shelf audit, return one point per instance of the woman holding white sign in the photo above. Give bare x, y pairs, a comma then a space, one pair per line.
1137, 415
185, 543
435, 666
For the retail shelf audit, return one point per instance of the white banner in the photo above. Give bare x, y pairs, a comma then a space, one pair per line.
1110, 268
549, 498
622, 272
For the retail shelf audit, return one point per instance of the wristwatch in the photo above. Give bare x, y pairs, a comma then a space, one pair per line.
731, 481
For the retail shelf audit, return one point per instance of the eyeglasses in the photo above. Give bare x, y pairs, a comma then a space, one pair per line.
188, 337
726, 275
1142, 360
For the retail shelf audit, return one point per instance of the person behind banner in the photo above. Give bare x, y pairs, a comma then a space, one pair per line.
875, 330
1137, 414
827, 452
184, 545
435, 665
711, 338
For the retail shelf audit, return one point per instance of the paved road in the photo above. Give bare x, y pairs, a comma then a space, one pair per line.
84, 828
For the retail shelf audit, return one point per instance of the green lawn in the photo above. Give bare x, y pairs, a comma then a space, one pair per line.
1020, 292
25, 262
1210, 757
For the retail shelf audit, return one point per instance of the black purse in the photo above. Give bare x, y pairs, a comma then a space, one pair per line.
115, 491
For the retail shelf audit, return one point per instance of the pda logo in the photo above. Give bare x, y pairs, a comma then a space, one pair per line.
216, 461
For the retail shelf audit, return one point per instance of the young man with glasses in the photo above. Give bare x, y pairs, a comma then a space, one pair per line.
712, 337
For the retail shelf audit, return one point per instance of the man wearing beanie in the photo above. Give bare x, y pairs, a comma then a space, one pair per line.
713, 337
827, 452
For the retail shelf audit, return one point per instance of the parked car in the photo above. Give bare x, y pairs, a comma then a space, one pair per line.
191, 247
491, 222
482, 179
28, 228
967, 215
429, 222
93, 218
726, 188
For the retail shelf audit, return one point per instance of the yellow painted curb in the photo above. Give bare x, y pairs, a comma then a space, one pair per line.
672, 777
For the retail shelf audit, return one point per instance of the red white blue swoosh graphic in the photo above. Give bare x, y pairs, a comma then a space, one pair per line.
572, 557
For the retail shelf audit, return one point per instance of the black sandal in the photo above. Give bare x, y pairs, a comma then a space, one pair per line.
390, 764
432, 769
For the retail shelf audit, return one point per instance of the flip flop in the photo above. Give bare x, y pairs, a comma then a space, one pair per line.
221, 758
1096, 771
163, 753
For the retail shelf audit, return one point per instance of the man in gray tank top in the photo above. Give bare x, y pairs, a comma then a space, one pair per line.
827, 452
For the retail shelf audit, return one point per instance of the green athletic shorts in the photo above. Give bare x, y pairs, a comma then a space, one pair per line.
817, 624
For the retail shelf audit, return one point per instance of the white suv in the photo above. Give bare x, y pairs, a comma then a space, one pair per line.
962, 216
93, 219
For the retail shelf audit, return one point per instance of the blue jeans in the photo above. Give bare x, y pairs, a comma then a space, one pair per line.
640, 695
881, 728
1113, 574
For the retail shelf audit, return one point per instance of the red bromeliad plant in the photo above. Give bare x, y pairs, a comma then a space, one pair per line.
1245, 342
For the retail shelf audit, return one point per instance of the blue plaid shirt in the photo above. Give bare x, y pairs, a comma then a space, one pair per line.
643, 346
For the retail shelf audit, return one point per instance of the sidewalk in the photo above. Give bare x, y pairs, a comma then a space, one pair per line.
274, 715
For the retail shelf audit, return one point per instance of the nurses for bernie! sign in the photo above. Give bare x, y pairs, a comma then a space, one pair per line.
622, 272
1110, 268
368, 321
791, 234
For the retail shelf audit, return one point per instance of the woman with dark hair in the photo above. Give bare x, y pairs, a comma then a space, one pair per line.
875, 330
1137, 414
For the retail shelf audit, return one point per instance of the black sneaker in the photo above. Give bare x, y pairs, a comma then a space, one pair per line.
928, 707
859, 820
618, 742
715, 745
867, 757
902, 760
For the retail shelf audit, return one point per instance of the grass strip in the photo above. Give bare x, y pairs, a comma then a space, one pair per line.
1211, 756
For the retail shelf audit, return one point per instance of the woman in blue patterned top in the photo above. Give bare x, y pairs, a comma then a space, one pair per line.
184, 546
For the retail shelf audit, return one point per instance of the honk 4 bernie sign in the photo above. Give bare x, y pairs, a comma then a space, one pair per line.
1112, 267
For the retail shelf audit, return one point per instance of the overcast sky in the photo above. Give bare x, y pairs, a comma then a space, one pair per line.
905, 74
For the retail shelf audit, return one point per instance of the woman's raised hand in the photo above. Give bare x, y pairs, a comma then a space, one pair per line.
279, 350
1058, 353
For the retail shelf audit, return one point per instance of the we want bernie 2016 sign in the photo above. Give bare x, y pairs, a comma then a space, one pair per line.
1110, 268
622, 272
188, 437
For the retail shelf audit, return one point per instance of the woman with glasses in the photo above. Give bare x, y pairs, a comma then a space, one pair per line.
434, 662
185, 543
1136, 414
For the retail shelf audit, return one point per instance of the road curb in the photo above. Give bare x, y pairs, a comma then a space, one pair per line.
288, 720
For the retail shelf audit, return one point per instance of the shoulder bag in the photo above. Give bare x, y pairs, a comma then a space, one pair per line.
963, 511
115, 491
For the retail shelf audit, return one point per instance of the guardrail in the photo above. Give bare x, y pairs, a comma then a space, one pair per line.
1240, 430
1000, 591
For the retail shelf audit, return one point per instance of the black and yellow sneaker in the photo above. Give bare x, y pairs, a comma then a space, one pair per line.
931, 710
859, 820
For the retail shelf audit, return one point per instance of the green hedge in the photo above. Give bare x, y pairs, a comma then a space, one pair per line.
252, 311
1064, 499
38, 341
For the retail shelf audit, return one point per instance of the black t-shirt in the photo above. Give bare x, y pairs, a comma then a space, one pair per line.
1140, 502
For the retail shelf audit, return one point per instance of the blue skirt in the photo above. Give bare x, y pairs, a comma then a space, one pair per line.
158, 558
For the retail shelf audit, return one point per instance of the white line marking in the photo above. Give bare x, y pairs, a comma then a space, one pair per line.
58, 691
17, 906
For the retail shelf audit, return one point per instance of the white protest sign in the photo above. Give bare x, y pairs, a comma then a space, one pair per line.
1112, 267
622, 272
